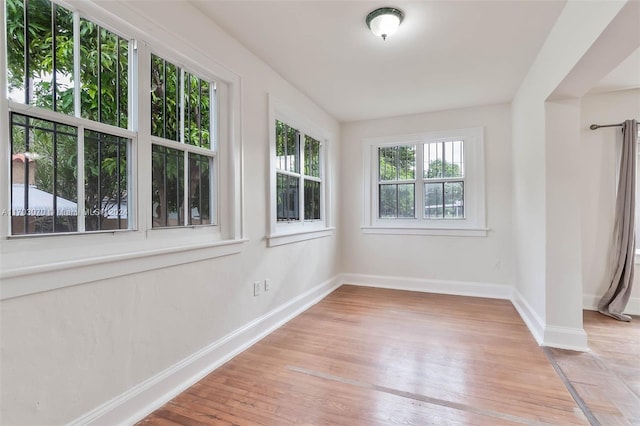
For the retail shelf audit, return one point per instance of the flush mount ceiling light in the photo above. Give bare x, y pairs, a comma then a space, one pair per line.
384, 21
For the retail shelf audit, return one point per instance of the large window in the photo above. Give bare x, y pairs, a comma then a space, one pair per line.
70, 150
298, 178
122, 145
183, 159
426, 184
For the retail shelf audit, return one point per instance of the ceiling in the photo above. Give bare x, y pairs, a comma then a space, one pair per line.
446, 54
624, 76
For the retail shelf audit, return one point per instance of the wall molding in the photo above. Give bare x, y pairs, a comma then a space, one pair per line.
456, 288
590, 303
574, 339
530, 317
144, 398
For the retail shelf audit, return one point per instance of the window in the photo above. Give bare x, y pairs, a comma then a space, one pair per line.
298, 179
70, 155
108, 139
182, 127
290, 147
425, 184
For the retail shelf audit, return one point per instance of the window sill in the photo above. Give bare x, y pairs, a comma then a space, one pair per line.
22, 281
282, 238
451, 232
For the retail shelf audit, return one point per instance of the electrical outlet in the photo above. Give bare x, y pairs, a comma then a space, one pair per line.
256, 288
267, 284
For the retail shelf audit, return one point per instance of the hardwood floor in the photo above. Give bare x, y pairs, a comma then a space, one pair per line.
607, 379
367, 356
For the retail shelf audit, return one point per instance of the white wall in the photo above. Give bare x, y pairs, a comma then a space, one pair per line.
485, 260
551, 308
65, 352
600, 151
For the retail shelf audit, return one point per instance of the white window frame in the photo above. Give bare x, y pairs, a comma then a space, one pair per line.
186, 149
41, 262
474, 222
281, 232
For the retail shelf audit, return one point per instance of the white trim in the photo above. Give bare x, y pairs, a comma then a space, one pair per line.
294, 237
590, 303
475, 214
144, 398
44, 277
532, 320
454, 232
457, 288
574, 339
302, 229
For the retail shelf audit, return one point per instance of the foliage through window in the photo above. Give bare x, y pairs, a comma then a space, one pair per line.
441, 180
293, 149
67, 176
182, 107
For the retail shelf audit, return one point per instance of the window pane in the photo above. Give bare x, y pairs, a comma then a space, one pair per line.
287, 148
103, 75
167, 177
165, 104
49, 42
433, 200
287, 192
311, 200
105, 181
311, 157
388, 201
443, 160
43, 176
454, 200
199, 189
180, 103
15, 39
406, 201
397, 162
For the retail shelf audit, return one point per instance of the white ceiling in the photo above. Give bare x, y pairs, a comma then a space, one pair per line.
446, 54
624, 76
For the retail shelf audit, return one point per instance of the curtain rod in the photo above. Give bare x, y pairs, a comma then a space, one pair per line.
597, 126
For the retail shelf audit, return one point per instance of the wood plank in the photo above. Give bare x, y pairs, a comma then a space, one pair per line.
377, 357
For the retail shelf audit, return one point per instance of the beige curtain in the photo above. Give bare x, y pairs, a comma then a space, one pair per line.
615, 299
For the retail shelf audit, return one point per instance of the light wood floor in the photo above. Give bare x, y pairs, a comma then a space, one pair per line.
607, 379
366, 356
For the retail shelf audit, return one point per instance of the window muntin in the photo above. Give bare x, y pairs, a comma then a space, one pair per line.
182, 108
292, 149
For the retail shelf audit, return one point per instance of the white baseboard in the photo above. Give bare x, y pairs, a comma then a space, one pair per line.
458, 288
574, 339
144, 398
590, 302
532, 320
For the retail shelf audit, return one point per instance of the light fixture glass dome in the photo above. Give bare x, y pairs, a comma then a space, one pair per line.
384, 21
